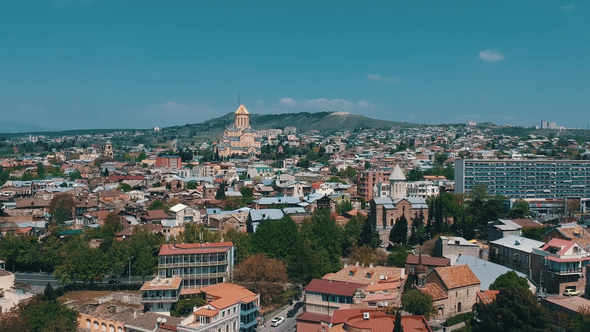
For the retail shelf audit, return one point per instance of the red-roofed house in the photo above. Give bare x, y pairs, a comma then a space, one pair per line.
325, 296
561, 264
453, 289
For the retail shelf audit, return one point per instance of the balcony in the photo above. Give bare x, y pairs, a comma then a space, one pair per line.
192, 264
201, 275
575, 270
159, 299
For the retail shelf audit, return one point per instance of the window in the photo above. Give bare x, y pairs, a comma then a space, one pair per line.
234, 310
223, 314
88, 324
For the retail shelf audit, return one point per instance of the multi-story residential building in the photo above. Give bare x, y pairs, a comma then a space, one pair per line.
160, 294
524, 178
168, 161
366, 180
516, 253
229, 308
562, 265
570, 232
324, 296
422, 189
199, 264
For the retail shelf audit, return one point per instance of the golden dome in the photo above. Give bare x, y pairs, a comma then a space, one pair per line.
242, 110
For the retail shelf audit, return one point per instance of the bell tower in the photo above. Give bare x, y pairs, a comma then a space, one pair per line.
242, 117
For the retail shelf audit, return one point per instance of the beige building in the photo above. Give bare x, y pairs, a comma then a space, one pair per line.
239, 139
453, 288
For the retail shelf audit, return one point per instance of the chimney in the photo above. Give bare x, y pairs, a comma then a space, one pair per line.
370, 265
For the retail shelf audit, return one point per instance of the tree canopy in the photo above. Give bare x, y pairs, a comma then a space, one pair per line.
418, 303
509, 279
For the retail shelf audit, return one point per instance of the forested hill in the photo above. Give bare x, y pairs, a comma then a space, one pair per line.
325, 122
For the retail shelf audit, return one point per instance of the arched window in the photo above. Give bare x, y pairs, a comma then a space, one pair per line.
88, 324
111, 328
96, 325
104, 327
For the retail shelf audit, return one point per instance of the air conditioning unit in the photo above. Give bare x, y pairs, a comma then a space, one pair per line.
366, 315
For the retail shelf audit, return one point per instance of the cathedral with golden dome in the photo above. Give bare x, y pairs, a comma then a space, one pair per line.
239, 139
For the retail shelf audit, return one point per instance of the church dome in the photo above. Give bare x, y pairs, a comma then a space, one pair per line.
242, 111
397, 174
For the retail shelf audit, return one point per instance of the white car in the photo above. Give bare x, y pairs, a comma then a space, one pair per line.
277, 321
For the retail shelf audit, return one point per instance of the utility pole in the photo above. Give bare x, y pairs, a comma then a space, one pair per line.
130, 258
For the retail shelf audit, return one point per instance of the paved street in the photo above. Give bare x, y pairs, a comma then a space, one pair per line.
288, 326
38, 281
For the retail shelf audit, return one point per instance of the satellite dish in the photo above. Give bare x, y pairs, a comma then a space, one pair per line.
159, 320
163, 320
381, 277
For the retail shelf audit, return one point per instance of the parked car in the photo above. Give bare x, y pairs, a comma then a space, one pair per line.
291, 313
571, 292
114, 282
277, 321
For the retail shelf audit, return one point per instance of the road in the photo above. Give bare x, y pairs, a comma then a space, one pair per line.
38, 281
289, 325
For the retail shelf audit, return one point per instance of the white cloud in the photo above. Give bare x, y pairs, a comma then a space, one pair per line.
374, 77
491, 56
324, 104
287, 101
567, 8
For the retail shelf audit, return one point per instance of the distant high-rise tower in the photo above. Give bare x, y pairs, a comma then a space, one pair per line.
543, 124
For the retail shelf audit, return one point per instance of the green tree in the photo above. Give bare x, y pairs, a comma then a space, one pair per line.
45, 316
509, 279
352, 233
242, 242
124, 187
20, 251
398, 256
49, 293
520, 209
345, 206
61, 208
535, 233
145, 247
156, 205
275, 238
247, 195
40, 171
399, 232
142, 156
581, 321
185, 307
369, 235
83, 263
232, 203
418, 303
75, 175
198, 234
220, 193
397, 326
514, 309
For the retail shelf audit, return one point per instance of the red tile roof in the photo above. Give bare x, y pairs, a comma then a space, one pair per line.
333, 287
487, 296
312, 317
457, 276
428, 261
565, 245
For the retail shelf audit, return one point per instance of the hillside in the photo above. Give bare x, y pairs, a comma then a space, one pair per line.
325, 122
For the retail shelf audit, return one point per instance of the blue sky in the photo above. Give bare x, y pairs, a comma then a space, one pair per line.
138, 64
